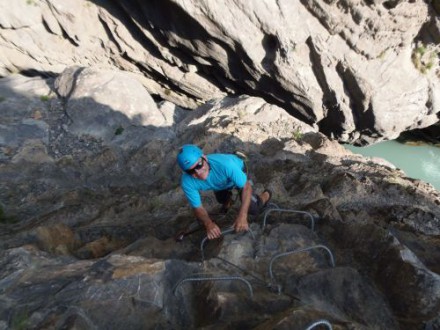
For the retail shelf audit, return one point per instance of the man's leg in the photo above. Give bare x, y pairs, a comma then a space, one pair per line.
258, 202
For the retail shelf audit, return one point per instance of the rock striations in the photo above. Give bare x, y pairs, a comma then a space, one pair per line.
360, 71
90, 205
94, 100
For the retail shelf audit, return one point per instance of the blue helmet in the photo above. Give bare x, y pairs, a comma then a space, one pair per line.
188, 155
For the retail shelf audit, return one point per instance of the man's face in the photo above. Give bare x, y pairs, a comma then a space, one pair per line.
199, 170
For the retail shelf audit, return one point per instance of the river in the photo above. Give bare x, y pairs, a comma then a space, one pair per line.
418, 162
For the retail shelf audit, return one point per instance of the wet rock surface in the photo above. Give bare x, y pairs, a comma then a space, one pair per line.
88, 223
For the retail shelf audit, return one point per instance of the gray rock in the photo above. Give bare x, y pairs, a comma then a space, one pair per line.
345, 294
361, 71
89, 221
101, 102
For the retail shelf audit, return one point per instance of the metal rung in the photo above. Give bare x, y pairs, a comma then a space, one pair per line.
266, 214
332, 260
320, 322
216, 278
271, 205
224, 232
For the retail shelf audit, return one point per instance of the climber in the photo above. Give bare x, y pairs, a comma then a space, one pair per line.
220, 173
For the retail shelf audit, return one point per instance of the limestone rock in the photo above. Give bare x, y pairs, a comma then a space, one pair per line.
98, 103
361, 71
90, 220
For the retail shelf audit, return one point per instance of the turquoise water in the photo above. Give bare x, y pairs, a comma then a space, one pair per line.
418, 162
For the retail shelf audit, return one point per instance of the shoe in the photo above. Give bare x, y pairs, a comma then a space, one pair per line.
257, 206
270, 196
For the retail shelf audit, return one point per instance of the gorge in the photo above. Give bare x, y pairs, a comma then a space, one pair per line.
96, 97
418, 161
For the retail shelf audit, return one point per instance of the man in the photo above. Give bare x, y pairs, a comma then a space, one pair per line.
220, 173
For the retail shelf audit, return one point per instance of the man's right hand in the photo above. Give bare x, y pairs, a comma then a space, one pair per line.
212, 230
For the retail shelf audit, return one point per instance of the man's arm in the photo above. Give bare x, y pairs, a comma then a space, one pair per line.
241, 223
212, 230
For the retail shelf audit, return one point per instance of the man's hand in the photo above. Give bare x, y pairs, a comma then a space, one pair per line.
241, 223
212, 230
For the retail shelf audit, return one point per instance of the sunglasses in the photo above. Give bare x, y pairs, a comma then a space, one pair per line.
193, 170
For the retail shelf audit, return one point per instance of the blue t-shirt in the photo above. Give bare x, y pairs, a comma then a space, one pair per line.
225, 172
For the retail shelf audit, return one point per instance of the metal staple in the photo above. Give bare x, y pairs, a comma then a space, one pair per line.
217, 278
320, 322
312, 220
224, 232
298, 251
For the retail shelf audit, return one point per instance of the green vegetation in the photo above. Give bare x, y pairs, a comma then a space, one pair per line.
425, 57
241, 113
119, 130
44, 98
297, 135
31, 2
382, 54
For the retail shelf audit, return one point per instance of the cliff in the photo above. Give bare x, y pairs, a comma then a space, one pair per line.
94, 105
91, 204
359, 71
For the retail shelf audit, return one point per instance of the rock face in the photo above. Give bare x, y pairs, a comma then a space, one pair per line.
90, 205
360, 71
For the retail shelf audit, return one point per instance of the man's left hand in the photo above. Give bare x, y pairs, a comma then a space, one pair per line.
241, 224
